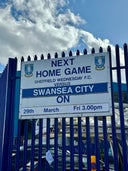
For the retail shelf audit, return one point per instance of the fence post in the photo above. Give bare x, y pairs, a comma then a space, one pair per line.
122, 125
9, 115
3, 82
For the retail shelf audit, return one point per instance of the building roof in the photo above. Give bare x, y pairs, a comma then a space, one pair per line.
123, 85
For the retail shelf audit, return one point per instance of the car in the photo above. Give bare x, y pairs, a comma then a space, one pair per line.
69, 151
45, 165
84, 150
27, 151
44, 161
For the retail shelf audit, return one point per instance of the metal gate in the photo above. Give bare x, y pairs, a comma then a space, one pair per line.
7, 91
82, 143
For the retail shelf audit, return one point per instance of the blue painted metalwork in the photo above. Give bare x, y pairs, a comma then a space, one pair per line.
56, 144
123, 136
25, 145
48, 141
63, 144
3, 82
17, 96
40, 145
113, 117
8, 80
71, 144
97, 143
8, 114
126, 64
32, 145
79, 143
88, 143
96, 135
17, 159
105, 137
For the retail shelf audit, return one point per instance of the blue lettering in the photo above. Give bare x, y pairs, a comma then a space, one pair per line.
63, 99
38, 74
88, 69
51, 110
79, 70
48, 73
62, 62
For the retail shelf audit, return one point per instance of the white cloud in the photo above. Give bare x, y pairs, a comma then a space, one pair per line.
38, 27
42, 26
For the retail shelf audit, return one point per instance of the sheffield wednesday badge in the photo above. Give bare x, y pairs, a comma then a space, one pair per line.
100, 62
28, 69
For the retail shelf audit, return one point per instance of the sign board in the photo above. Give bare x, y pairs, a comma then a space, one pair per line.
66, 87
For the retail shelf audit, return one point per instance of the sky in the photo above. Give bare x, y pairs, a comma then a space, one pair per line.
29, 27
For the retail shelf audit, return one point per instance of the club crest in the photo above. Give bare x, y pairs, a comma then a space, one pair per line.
28, 69
100, 62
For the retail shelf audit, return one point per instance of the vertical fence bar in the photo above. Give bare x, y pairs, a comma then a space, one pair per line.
18, 146
8, 115
40, 145
97, 144
96, 140
80, 143
63, 136
63, 144
56, 137
71, 145
47, 166
33, 145
71, 137
113, 116
3, 85
56, 145
48, 140
88, 143
105, 137
10, 109
126, 65
88, 135
123, 136
25, 144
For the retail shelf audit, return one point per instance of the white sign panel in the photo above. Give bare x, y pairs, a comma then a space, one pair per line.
66, 87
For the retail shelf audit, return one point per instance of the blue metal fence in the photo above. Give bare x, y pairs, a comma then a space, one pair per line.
7, 92
73, 141
2, 112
